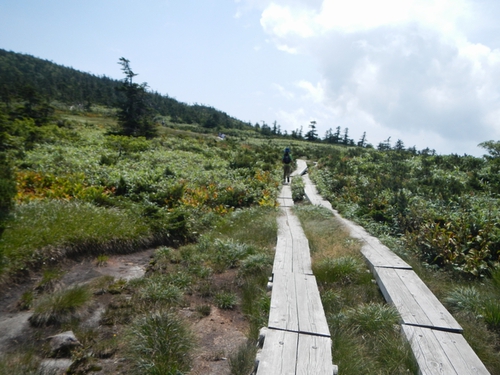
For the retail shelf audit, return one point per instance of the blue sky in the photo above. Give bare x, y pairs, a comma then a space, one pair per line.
423, 71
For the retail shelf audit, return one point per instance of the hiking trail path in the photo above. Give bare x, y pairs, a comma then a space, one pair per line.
297, 339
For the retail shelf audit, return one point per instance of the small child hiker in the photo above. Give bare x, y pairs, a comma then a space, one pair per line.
287, 165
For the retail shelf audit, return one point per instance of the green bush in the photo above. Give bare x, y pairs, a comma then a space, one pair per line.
298, 189
444, 207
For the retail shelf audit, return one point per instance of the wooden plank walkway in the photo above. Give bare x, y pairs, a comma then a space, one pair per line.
435, 336
297, 339
292, 248
296, 305
416, 304
293, 353
440, 352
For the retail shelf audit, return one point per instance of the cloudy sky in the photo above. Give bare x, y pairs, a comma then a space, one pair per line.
423, 71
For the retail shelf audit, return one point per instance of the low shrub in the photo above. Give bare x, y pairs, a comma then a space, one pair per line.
298, 189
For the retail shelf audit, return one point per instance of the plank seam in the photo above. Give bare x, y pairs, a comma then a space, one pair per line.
299, 332
433, 328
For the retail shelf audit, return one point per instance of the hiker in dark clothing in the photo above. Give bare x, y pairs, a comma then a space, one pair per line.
287, 165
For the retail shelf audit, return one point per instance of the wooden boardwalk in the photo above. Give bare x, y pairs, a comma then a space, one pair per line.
297, 338
435, 336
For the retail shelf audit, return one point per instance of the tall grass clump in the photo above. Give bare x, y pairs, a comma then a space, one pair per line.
481, 306
229, 254
160, 344
464, 299
60, 307
255, 304
343, 269
243, 360
226, 300
370, 318
158, 291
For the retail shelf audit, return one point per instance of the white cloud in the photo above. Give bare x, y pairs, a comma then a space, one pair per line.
404, 68
284, 20
316, 93
283, 92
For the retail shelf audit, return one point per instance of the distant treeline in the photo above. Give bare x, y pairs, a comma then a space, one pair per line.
28, 79
22, 73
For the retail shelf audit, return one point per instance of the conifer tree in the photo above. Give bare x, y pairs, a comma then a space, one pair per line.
135, 114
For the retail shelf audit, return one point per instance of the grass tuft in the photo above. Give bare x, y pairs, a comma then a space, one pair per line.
256, 264
298, 189
491, 314
204, 310
59, 307
243, 360
464, 299
159, 291
226, 300
344, 269
371, 318
160, 344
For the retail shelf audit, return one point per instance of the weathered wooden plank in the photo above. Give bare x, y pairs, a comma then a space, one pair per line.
283, 312
416, 304
314, 356
286, 192
312, 317
292, 247
301, 254
300, 169
439, 352
284, 245
312, 194
285, 202
380, 256
296, 305
279, 353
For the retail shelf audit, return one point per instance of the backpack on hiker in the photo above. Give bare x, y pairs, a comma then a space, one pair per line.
287, 159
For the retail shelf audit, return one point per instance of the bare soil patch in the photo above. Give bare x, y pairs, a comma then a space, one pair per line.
218, 335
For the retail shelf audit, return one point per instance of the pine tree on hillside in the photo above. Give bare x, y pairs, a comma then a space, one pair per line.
135, 115
312, 134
